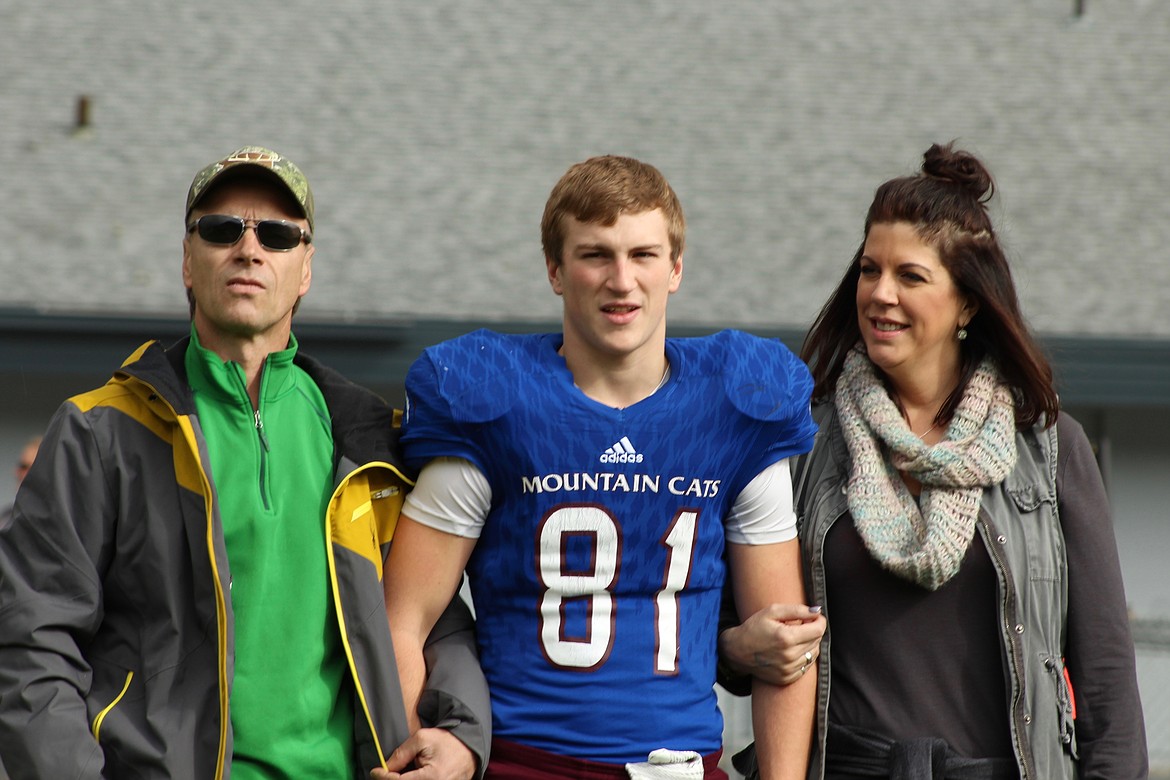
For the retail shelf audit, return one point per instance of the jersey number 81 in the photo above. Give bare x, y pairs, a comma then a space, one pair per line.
595, 585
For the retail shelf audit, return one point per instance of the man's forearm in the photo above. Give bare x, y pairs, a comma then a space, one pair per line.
782, 722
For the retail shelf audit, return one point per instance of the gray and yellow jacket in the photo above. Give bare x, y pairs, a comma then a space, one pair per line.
116, 622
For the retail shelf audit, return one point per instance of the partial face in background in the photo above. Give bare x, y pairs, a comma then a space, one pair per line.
28, 454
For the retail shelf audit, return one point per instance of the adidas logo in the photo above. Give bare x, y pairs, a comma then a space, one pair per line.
621, 452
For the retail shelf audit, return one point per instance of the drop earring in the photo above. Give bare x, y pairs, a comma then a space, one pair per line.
962, 334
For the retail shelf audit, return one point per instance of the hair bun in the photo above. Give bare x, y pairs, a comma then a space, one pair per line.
960, 167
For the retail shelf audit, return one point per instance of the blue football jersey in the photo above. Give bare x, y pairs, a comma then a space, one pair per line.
598, 573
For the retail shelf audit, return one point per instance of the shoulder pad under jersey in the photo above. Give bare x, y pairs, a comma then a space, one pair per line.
762, 378
478, 374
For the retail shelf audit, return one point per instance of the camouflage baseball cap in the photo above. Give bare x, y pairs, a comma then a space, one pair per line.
282, 168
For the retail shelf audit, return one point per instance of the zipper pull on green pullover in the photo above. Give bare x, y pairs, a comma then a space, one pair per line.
260, 431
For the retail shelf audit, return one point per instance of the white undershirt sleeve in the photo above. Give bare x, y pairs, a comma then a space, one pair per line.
451, 495
763, 512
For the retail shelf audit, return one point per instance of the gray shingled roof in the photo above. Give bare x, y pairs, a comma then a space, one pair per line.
432, 133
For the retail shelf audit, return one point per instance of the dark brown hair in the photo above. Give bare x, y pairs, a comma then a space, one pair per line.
946, 202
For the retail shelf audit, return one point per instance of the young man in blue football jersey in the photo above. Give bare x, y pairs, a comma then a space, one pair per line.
591, 483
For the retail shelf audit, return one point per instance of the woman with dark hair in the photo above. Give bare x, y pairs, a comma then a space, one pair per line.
954, 523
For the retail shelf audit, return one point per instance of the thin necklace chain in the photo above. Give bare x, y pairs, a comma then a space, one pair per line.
661, 382
927, 431
906, 417
666, 376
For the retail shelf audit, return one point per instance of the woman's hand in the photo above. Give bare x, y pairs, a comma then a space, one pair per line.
778, 644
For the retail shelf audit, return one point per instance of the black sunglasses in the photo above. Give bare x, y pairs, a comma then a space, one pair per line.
276, 234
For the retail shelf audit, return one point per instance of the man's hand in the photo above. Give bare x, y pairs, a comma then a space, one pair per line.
436, 755
778, 644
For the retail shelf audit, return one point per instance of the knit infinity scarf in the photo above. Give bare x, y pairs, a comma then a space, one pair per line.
923, 541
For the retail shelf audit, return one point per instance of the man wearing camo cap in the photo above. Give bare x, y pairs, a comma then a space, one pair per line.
191, 581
